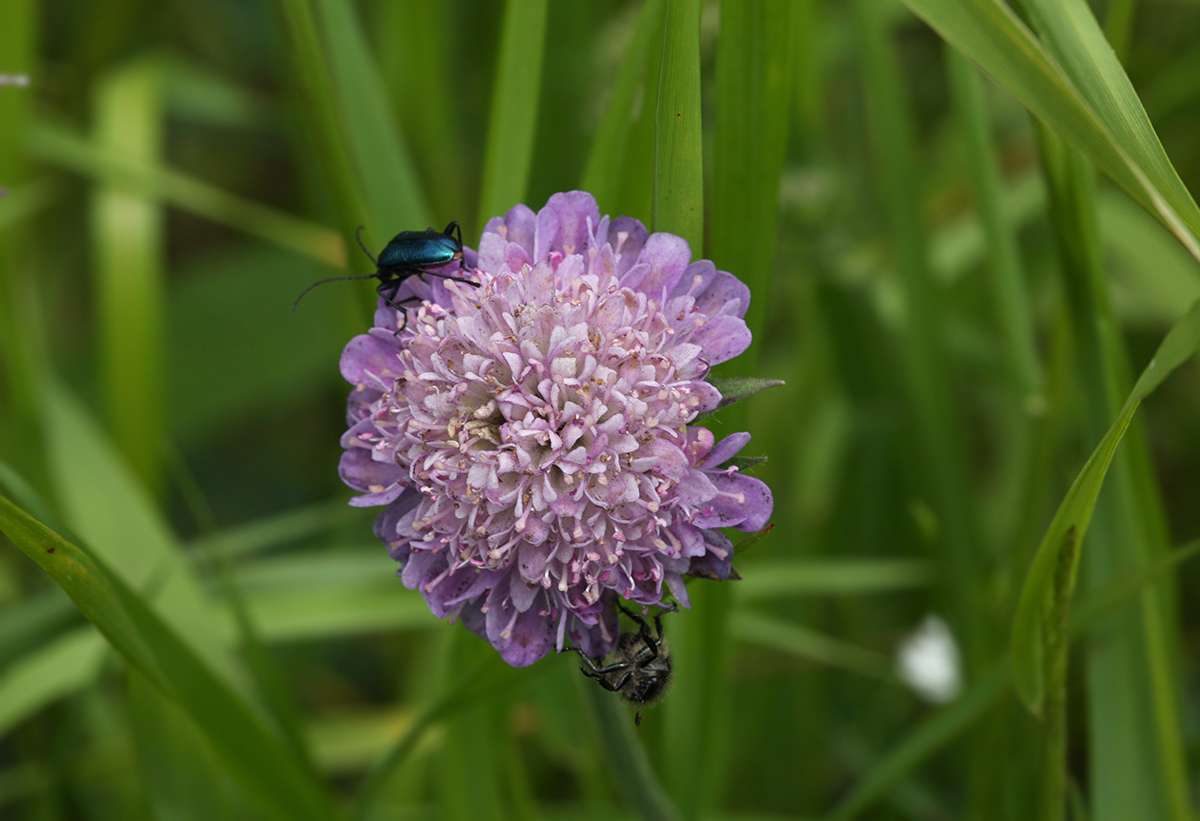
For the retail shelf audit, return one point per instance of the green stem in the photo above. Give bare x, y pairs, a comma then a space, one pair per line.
631, 766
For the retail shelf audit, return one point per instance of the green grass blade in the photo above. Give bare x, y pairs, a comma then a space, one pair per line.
272, 688
754, 70
955, 718
1096, 606
1134, 728
605, 164
21, 339
476, 683
511, 125
1118, 26
19, 204
321, 106
925, 362
1005, 276
103, 503
825, 577
128, 239
989, 33
695, 718
678, 149
247, 291
801, 642
64, 665
383, 170
420, 46
1075, 513
633, 770
697, 715
1071, 33
179, 774
254, 756
337, 610
932, 735
365, 157
57, 146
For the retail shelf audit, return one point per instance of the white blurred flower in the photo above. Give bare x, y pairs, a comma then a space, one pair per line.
928, 662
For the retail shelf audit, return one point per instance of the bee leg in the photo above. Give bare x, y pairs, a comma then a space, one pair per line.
589, 669
648, 640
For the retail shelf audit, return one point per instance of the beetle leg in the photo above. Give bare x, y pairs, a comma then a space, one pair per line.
388, 286
454, 226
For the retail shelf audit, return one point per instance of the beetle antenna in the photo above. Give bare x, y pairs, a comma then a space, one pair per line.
322, 282
358, 236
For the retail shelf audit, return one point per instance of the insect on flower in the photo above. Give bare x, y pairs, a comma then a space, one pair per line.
640, 665
410, 253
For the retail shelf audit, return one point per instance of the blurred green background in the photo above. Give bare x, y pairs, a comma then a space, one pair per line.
957, 301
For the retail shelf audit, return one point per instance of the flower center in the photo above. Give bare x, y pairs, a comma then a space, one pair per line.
544, 418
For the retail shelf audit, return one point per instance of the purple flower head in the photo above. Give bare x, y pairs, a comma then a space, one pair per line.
529, 438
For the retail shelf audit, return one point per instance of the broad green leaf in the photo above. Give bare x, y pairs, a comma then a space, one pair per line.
255, 757
1075, 513
247, 291
989, 33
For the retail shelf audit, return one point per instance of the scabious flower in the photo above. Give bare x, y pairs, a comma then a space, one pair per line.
529, 439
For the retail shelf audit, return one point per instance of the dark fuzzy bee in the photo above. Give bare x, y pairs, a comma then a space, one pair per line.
639, 667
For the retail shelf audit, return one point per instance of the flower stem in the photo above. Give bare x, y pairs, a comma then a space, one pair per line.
632, 770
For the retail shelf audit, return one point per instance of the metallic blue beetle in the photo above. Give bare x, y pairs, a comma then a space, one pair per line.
410, 253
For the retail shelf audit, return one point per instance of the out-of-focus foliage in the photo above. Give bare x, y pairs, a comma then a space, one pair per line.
958, 303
